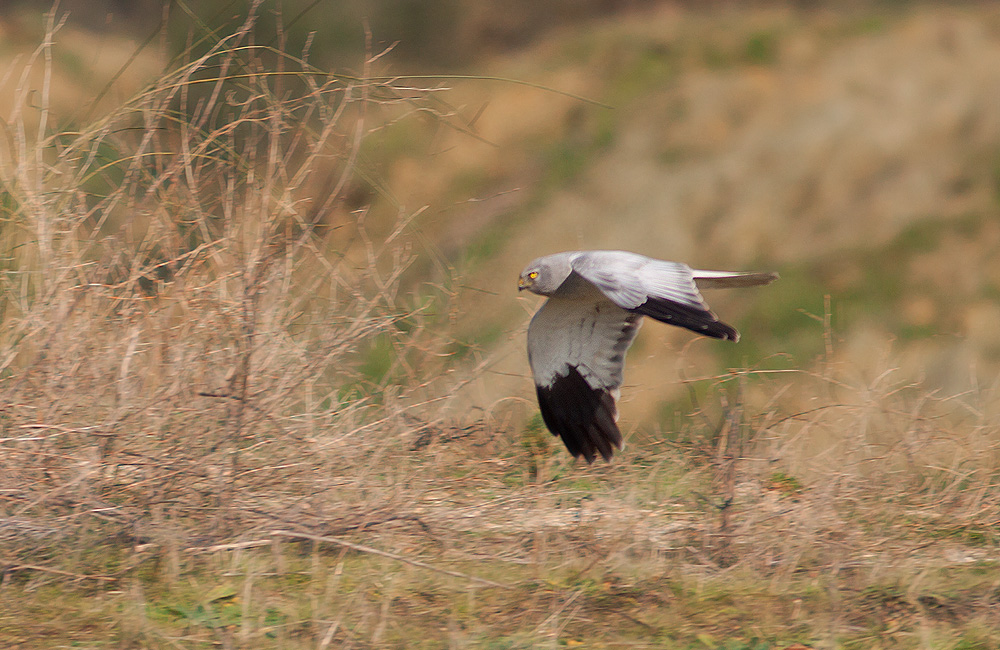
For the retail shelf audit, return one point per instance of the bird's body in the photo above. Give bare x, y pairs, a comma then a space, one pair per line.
578, 339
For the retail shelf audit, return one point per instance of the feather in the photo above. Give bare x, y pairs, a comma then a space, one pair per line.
578, 339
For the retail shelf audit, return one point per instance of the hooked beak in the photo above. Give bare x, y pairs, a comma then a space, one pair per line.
523, 283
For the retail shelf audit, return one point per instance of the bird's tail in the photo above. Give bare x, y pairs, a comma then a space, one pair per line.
730, 280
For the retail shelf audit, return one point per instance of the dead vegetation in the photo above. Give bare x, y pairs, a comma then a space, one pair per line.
224, 424
196, 323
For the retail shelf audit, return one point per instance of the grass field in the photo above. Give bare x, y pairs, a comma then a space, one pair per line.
445, 537
231, 418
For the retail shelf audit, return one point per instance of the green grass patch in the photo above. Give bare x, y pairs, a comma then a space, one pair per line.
761, 48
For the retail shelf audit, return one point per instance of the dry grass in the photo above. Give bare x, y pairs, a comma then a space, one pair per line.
224, 424
196, 321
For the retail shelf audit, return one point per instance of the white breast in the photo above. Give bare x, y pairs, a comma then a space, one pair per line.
591, 336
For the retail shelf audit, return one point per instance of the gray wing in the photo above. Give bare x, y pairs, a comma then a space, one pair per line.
576, 349
665, 291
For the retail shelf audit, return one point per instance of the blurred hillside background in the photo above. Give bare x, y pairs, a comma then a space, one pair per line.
851, 146
226, 242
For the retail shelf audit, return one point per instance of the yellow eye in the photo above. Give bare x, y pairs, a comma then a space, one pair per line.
533, 275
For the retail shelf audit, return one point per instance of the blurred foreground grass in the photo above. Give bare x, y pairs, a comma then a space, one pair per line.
869, 521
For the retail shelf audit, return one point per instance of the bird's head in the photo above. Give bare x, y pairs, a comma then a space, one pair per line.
529, 277
544, 275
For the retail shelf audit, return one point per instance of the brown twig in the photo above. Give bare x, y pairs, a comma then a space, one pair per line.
392, 556
45, 569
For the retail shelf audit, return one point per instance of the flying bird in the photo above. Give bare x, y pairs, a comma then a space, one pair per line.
577, 340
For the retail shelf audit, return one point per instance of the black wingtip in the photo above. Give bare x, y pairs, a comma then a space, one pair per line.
582, 416
696, 319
